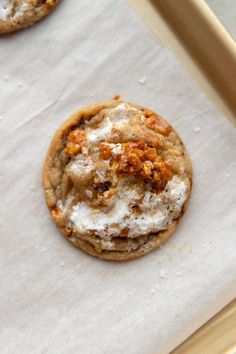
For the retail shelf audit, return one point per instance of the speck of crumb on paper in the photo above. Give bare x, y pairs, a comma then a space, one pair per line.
142, 80
154, 289
197, 129
163, 273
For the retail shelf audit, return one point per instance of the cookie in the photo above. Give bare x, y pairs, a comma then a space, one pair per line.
18, 14
117, 180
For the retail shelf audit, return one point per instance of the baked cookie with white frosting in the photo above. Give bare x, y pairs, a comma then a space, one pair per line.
18, 14
117, 180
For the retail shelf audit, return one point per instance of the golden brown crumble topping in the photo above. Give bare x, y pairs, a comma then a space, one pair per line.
75, 142
105, 151
105, 198
139, 159
55, 212
155, 122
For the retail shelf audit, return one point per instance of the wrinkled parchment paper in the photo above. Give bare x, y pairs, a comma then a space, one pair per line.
54, 298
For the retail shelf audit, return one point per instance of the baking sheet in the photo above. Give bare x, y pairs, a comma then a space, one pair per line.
54, 298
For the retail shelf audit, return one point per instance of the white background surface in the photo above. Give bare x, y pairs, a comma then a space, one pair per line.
54, 298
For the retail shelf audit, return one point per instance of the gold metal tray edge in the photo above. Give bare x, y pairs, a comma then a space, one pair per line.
217, 336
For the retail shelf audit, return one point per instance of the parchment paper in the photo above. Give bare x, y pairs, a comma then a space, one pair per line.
54, 298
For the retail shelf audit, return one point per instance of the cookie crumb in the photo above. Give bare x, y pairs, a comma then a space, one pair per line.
154, 289
197, 129
163, 273
142, 80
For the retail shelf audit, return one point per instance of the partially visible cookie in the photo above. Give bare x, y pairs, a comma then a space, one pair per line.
18, 14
